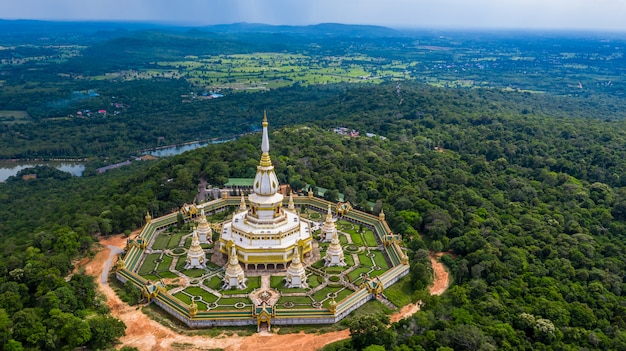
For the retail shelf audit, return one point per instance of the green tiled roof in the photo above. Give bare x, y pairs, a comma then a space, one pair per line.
240, 182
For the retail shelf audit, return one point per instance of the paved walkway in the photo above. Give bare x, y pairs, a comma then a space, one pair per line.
265, 282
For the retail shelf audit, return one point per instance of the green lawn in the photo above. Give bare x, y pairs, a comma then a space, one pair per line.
370, 238
400, 293
183, 297
298, 300
379, 258
364, 260
323, 294
314, 280
215, 283
160, 242
356, 238
355, 274
148, 264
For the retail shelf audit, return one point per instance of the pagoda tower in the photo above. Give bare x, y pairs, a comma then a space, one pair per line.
242, 204
205, 234
195, 256
234, 278
264, 233
296, 275
334, 254
329, 229
291, 206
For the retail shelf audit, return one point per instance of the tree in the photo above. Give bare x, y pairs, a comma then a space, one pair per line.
370, 330
105, 330
5, 326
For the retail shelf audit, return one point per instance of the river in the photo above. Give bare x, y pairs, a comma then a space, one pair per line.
8, 169
179, 149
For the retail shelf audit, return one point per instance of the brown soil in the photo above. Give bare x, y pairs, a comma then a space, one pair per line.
147, 334
441, 278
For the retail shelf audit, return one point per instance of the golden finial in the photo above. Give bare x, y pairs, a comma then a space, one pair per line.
265, 118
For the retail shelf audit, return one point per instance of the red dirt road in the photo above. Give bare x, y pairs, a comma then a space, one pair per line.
147, 334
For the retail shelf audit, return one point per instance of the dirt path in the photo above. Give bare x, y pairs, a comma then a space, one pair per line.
147, 334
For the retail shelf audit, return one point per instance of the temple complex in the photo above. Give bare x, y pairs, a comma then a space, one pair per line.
264, 234
263, 243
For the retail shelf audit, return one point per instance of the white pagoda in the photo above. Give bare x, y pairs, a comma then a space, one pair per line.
234, 278
264, 233
296, 275
329, 229
205, 234
334, 254
196, 257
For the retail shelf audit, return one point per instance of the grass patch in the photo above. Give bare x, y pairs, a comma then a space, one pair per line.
370, 239
298, 300
229, 301
343, 240
356, 238
167, 274
319, 264
161, 241
175, 240
183, 297
180, 265
214, 283
379, 259
364, 260
277, 281
165, 264
400, 293
196, 291
323, 294
14, 116
314, 280
194, 273
349, 260
355, 274
148, 263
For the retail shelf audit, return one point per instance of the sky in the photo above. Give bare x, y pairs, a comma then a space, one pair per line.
478, 14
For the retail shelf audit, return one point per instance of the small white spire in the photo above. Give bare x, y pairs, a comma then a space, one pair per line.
265, 144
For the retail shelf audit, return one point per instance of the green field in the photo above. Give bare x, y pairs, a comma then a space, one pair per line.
14, 117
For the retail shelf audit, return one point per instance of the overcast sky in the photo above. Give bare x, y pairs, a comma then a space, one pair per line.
561, 14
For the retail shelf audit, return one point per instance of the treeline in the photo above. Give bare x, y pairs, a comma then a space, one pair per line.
154, 114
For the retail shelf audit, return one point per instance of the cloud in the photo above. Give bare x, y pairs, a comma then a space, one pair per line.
590, 14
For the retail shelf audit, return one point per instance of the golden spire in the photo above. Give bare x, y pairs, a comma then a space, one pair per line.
242, 204
381, 215
329, 215
291, 206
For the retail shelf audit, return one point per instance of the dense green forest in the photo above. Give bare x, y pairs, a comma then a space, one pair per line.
525, 192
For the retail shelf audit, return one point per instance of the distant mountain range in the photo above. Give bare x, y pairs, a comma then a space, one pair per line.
15, 31
329, 29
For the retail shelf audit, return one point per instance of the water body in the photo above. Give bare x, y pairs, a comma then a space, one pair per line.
177, 150
8, 169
